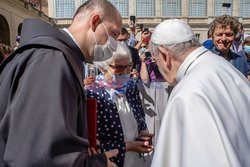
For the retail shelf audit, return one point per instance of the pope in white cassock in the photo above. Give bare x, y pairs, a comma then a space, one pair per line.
207, 119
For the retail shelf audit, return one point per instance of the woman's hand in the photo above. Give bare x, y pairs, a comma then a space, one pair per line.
145, 35
139, 146
142, 57
132, 27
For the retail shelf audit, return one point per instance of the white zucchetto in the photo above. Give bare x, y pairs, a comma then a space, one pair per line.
173, 31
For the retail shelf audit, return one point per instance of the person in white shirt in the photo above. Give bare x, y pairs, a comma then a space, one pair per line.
206, 122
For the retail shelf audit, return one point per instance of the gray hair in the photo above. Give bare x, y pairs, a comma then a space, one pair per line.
121, 52
177, 49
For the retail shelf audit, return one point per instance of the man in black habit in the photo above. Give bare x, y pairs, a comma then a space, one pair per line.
42, 107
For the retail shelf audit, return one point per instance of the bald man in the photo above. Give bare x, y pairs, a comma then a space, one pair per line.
42, 108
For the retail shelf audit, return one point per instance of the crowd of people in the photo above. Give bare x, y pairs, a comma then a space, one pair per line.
161, 98
5, 51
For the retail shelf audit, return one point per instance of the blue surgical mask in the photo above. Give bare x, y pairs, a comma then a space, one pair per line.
247, 49
119, 81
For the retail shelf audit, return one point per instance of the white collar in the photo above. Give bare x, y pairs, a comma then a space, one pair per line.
188, 61
67, 31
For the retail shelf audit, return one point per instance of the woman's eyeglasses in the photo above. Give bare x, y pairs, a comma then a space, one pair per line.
121, 68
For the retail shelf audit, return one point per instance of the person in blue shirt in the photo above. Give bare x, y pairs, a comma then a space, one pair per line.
246, 48
224, 30
209, 42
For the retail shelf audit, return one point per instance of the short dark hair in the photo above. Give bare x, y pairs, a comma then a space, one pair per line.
225, 20
109, 10
124, 31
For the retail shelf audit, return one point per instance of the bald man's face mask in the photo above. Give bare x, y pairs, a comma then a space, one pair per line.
104, 52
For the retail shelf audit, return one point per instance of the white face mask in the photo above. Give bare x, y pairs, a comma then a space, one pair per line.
104, 52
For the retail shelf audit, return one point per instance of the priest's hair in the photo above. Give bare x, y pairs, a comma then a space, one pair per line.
108, 10
177, 49
122, 52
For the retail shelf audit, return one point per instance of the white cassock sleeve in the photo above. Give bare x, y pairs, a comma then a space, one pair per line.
189, 136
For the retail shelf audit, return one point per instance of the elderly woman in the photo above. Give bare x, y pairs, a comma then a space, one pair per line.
223, 31
120, 117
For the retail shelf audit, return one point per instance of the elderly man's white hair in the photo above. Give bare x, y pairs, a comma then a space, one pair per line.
122, 52
174, 34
